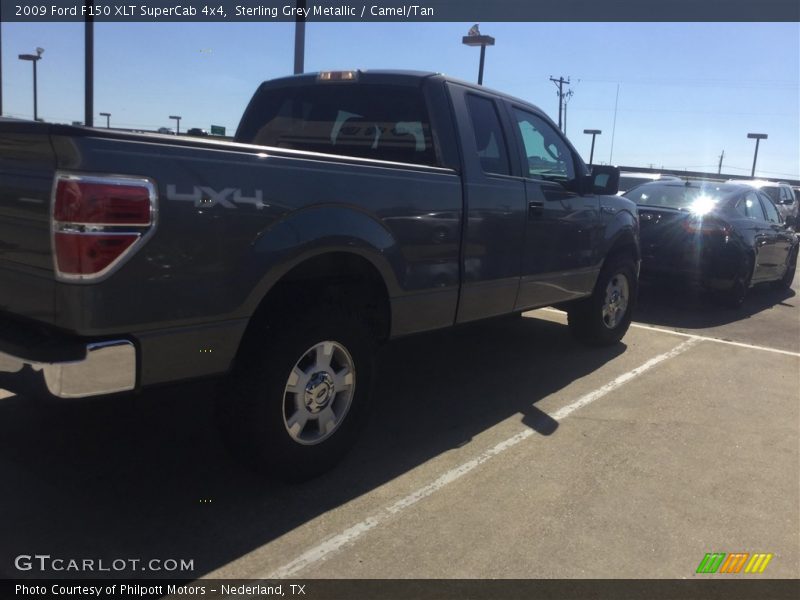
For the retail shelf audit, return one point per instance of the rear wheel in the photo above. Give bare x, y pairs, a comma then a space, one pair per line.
298, 396
785, 282
604, 317
734, 296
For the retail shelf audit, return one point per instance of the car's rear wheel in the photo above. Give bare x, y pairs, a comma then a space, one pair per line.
785, 282
604, 317
299, 393
734, 296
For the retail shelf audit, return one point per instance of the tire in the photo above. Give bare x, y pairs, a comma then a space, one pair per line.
734, 297
603, 318
299, 393
785, 282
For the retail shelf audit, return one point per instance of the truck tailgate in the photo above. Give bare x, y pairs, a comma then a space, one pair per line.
27, 165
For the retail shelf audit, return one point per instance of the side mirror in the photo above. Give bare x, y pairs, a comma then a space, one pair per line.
604, 180
791, 222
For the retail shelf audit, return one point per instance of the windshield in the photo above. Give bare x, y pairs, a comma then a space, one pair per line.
675, 196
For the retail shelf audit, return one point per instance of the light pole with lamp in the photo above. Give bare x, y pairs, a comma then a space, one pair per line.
474, 38
34, 58
108, 119
177, 122
594, 133
757, 137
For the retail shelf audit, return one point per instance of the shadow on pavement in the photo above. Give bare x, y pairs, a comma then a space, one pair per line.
677, 305
147, 477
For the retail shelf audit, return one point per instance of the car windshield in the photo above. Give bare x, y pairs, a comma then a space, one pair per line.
675, 196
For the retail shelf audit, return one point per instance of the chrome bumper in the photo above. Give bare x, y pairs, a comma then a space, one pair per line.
108, 367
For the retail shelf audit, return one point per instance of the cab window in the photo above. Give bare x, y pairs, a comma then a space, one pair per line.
489, 138
547, 155
381, 122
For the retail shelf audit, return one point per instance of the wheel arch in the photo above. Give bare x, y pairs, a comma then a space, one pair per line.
343, 277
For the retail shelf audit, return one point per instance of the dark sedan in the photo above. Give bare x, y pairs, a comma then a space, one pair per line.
725, 237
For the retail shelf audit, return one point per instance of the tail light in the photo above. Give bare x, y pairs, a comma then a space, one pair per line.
706, 226
99, 222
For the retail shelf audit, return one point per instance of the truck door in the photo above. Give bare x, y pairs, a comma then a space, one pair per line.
495, 208
563, 230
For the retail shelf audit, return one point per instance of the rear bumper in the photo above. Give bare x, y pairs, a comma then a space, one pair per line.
713, 265
38, 362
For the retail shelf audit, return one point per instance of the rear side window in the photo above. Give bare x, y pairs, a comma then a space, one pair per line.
489, 138
380, 122
770, 210
749, 206
773, 192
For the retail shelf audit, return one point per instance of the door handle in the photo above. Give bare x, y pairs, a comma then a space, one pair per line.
535, 209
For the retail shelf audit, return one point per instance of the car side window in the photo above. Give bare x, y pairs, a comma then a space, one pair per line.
489, 138
770, 210
749, 206
547, 156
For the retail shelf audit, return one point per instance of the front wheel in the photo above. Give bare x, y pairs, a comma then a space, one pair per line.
299, 393
603, 318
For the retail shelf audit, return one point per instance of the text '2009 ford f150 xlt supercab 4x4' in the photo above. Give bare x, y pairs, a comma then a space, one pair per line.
351, 208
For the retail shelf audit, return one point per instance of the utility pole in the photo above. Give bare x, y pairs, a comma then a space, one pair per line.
567, 96
560, 85
719, 169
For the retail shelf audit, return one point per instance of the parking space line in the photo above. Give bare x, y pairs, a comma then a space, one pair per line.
331, 545
717, 340
699, 337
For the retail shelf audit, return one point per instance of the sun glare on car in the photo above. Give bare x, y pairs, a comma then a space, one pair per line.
702, 205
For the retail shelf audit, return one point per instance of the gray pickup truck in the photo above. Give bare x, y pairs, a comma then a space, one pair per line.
351, 208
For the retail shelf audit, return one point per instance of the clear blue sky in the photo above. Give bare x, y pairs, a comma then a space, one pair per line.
687, 91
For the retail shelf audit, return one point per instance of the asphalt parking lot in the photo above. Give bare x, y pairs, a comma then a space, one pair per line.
500, 450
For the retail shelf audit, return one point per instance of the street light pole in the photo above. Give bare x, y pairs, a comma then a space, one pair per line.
34, 58
300, 38
178, 123
88, 64
474, 38
593, 133
108, 119
757, 137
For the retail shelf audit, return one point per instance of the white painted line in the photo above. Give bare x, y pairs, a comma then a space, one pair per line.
717, 340
623, 379
699, 337
334, 544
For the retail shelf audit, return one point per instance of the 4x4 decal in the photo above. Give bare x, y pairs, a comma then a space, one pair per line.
206, 197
